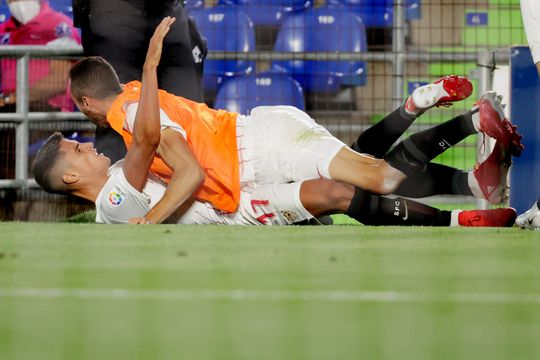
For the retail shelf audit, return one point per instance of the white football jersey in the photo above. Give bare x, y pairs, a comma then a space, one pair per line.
530, 11
119, 201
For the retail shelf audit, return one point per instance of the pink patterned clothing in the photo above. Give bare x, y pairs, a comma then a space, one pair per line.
48, 27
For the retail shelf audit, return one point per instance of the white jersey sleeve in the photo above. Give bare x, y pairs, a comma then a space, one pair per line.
166, 122
118, 200
530, 11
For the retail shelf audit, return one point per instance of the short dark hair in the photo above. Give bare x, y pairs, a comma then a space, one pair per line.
94, 76
44, 163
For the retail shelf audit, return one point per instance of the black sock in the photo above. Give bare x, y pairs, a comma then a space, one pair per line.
414, 153
436, 179
372, 209
378, 139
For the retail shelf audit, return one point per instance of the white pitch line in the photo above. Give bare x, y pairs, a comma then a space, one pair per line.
273, 295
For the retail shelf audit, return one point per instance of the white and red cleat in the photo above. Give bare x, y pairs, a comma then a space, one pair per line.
492, 176
493, 123
442, 92
502, 217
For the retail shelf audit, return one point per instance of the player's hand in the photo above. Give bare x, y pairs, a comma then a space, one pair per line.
140, 221
156, 42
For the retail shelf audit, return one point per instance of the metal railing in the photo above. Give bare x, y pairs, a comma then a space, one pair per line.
22, 116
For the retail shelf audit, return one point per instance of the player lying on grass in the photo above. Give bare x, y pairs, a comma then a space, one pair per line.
287, 132
271, 204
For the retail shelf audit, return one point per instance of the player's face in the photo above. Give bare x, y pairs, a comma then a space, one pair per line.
83, 157
90, 111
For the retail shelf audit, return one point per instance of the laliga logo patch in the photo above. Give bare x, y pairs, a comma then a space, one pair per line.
116, 196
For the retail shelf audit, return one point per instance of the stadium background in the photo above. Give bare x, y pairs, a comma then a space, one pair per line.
371, 66
88, 291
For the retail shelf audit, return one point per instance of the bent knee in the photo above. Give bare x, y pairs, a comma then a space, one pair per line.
387, 186
389, 179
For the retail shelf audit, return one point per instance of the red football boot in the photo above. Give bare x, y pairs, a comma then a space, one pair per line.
492, 175
503, 217
494, 124
442, 92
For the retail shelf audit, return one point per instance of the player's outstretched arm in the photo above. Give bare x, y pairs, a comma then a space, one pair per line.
147, 128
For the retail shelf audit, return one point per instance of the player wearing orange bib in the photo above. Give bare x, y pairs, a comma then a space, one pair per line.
210, 134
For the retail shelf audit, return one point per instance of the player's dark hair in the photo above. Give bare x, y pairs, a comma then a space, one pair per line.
94, 76
44, 163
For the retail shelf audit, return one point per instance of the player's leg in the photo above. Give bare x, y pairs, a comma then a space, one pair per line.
287, 204
414, 153
285, 145
378, 139
488, 180
436, 178
322, 197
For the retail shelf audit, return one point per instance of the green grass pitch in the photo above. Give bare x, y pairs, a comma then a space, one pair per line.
85, 291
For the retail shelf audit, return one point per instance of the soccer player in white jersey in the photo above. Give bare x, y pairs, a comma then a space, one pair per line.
120, 192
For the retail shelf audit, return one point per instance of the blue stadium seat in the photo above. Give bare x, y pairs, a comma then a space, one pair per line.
4, 12
268, 12
326, 29
242, 93
64, 6
225, 29
413, 9
379, 13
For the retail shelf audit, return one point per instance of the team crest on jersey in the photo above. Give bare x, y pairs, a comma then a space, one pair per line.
116, 196
289, 215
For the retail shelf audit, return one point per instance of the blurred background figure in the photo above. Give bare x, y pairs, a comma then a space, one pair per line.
34, 22
119, 31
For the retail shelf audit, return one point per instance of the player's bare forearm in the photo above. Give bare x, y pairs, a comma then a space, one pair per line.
538, 67
188, 175
146, 130
182, 185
